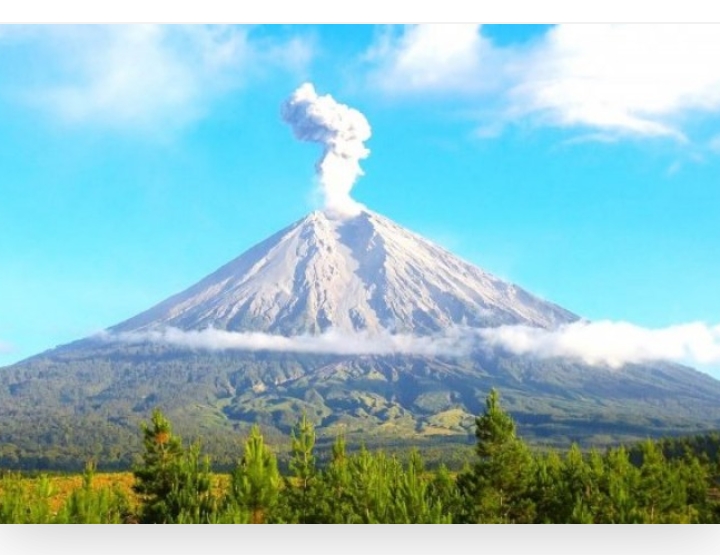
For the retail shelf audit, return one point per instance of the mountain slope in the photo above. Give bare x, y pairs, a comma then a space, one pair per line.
364, 273
67, 405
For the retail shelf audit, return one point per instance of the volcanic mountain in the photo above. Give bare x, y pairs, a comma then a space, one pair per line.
329, 275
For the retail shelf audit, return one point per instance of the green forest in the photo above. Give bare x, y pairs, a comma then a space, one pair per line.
665, 481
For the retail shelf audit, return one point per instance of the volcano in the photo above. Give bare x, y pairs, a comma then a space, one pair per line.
326, 274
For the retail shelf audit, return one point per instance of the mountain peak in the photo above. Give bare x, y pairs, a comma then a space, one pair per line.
359, 273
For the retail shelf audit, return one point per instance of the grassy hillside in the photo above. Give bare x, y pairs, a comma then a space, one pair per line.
87, 401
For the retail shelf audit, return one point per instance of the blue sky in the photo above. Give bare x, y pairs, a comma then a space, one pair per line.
580, 162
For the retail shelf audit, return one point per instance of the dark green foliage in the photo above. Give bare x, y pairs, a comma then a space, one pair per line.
443, 490
499, 484
157, 477
608, 488
255, 483
174, 483
375, 488
619, 485
658, 492
507, 483
546, 487
300, 492
336, 502
412, 500
86, 400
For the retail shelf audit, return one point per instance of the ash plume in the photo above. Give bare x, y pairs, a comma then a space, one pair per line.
341, 131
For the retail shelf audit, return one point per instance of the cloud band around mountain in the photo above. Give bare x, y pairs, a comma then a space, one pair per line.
606, 343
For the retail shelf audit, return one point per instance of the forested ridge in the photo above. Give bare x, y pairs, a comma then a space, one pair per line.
665, 481
86, 401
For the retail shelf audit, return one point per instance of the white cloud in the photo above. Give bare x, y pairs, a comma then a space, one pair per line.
6, 348
146, 76
332, 342
428, 57
640, 80
597, 343
636, 79
612, 343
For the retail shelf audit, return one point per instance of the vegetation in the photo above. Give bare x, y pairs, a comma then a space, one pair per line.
87, 400
667, 481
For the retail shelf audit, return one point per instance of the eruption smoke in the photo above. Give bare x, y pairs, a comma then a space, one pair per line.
341, 131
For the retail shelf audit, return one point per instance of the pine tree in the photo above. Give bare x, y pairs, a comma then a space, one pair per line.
444, 490
174, 485
619, 485
333, 503
411, 501
367, 491
503, 471
546, 487
657, 488
576, 487
300, 488
696, 478
192, 491
255, 482
155, 477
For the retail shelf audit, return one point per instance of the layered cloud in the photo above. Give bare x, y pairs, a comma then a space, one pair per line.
143, 76
331, 342
640, 80
606, 343
611, 343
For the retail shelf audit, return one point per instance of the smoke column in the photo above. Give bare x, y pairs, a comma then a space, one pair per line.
341, 131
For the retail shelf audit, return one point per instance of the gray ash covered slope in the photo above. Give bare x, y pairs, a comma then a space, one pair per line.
362, 274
